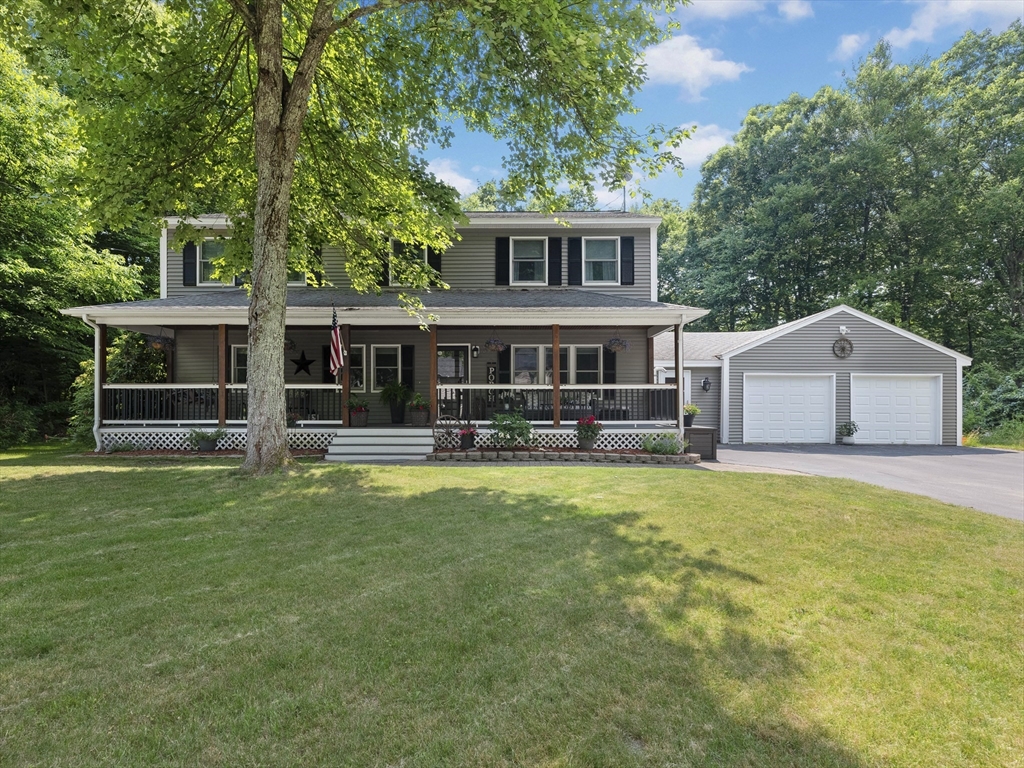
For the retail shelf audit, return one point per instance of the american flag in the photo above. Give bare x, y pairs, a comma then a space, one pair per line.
337, 350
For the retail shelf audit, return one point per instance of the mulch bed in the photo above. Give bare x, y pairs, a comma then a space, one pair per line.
195, 454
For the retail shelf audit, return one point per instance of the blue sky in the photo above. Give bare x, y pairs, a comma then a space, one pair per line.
730, 55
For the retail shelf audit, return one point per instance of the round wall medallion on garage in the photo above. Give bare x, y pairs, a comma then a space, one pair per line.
842, 348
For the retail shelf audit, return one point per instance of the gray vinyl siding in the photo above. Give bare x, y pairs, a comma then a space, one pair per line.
175, 276
469, 263
710, 402
875, 350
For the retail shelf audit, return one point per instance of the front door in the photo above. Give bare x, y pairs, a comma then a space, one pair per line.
453, 368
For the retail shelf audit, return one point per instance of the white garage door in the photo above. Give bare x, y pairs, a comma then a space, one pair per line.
895, 409
788, 408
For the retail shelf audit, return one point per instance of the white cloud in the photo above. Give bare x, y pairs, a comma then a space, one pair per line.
720, 9
681, 61
793, 10
704, 142
848, 46
932, 15
447, 170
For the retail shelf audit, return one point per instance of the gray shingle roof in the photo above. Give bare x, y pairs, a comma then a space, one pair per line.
705, 346
556, 298
512, 215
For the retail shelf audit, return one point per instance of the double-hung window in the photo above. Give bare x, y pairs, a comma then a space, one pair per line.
387, 365
529, 261
600, 260
239, 363
408, 253
524, 365
354, 361
578, 364
210, 250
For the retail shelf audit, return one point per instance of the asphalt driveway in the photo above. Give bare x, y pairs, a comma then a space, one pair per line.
986, 479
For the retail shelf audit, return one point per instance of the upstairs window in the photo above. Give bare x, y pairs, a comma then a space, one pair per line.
209, 250
406, 252
600, 260
529, 261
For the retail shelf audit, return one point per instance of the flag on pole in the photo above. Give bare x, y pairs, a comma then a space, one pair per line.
337, 349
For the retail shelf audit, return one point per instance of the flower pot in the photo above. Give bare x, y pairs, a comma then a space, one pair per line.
587, 443
207, 445
358, 418
418, 417
848, 440
398, 413
688, 419
467, 442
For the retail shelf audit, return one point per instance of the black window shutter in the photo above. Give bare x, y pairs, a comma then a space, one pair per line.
434, 260
501, 258
409, 365
575, 261
325, 376
505, 366
385, 257
188, 264
626, 260
554, 261
608, 363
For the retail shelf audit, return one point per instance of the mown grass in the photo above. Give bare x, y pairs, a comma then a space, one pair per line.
157, 612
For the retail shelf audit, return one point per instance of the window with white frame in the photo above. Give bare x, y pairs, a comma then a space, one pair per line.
600, 260
356, 362
563, 366
529, 261
578, 364
586, 365
387, 365
409, 252
239, 363
524, 365
209, 251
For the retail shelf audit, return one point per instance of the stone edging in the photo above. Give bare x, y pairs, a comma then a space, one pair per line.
602, 456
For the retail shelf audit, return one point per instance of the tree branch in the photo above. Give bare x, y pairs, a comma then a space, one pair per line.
248, 13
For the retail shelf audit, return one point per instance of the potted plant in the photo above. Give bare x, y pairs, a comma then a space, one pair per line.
206, 439
689, 411
419, 410
846, 431
587, 430
358, 412
467, 437
396, 395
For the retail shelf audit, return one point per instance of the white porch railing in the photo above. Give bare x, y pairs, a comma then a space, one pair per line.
609, 403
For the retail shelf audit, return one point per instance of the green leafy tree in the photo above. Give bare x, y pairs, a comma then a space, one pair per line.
301, 121
46, 261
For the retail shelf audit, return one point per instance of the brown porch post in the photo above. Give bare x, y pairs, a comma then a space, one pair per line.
556, 378
222, 374
678, 336
346, 388
432, 381
101, 370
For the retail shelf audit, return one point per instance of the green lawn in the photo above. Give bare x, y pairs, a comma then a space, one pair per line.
171, 613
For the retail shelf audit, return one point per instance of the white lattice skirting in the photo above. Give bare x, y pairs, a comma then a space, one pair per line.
174, 439
608, 440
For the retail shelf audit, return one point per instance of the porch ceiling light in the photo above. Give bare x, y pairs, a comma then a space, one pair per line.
706, 384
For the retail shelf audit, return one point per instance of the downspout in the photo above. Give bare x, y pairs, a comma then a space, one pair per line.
97, 393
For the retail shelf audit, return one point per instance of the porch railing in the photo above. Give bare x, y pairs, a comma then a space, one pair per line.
626, 403
197, 403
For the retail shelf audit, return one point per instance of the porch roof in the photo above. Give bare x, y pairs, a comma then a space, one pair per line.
569, 306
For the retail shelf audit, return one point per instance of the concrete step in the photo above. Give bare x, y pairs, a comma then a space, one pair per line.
361, 457
381, 440
362, 450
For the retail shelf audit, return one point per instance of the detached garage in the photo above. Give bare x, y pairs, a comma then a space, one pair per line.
798, 382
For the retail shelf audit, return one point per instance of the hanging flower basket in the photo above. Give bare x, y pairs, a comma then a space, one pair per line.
616, 344
163, 343
289, 345
495, 345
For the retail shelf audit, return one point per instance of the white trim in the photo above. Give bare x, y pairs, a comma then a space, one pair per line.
512, 261
680, 391
96, 386
234, 364
654, 262
163, 263
469, 362
373, 363
582, 387
200, 283
571, 354
782, 330
563, 220
959, 403
724, 405
618, 261
832, 420
348, 357
938, 414
670, 364
686, 386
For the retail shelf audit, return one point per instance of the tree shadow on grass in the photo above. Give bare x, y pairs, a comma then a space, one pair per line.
352, 616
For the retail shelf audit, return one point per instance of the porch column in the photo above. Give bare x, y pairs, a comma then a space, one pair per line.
346, 388
222, 374
679, 376
556, 379
650, 360
432, 381
100, 403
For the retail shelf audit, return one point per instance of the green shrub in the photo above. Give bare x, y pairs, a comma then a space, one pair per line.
17, 424
663, 444
511, 430
80, 423
992, 397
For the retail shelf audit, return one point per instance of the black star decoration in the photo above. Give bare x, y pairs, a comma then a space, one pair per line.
302, 364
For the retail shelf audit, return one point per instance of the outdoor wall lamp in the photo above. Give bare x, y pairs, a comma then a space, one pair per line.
476, 351
706, 384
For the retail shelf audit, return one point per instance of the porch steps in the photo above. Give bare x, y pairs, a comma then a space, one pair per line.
381, 444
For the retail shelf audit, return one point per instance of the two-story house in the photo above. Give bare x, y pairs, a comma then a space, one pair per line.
522, 285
